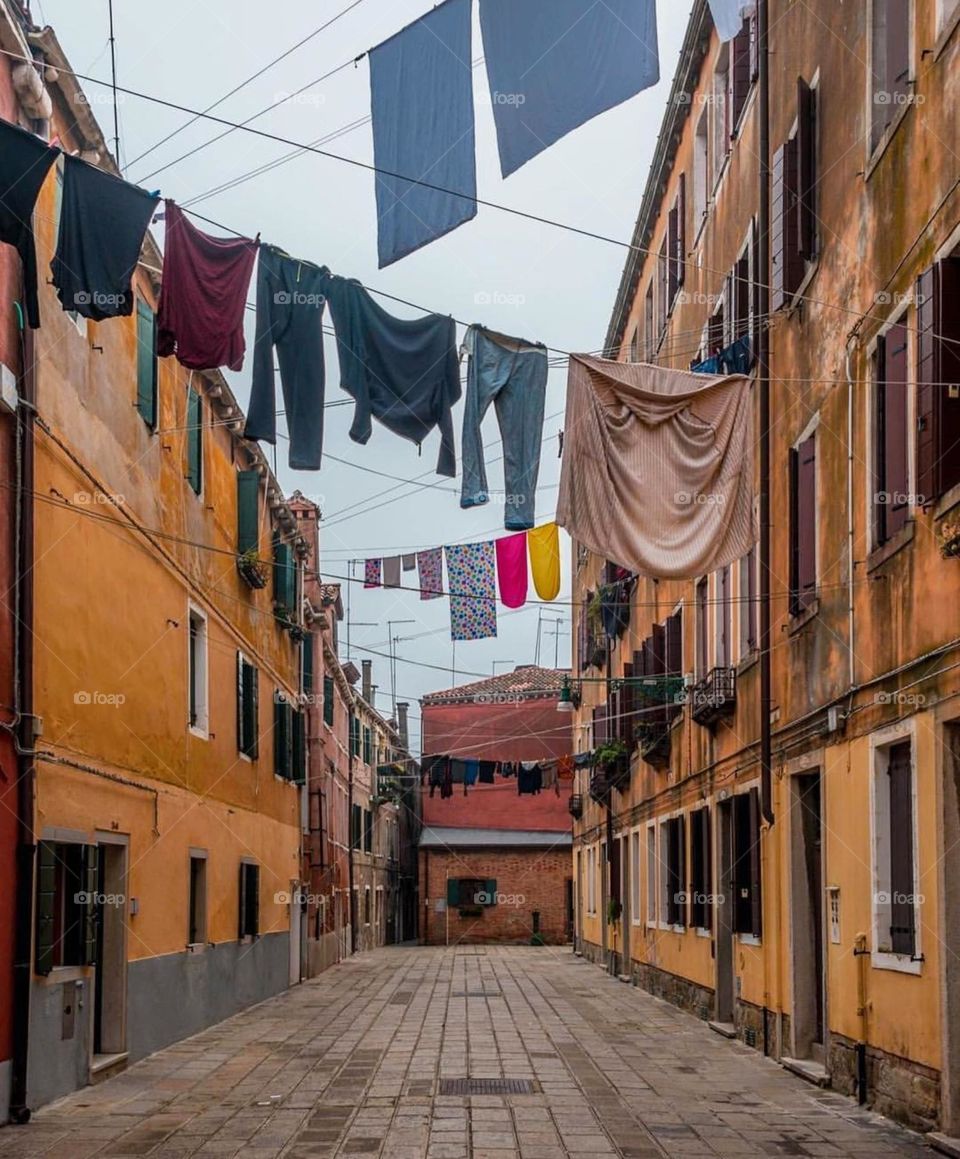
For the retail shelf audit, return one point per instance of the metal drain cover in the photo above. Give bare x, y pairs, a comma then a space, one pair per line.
477, 994
486, 1087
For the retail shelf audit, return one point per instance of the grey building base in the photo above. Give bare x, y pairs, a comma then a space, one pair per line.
322, 953
6, 1070
903, 1090
169, 997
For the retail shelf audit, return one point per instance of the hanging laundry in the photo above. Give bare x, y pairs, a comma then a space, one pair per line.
372, 570
512, 569
512, 374
549, 775
391, 571
103, 220
728, 16
658, 472
430, 573
458, 771
410, 562
529, 779
203, 295
471, 575
565, 768
472, 772
290, 299
26, 163
736, 358
543, 544
615, 608
421, 105
401, 371
487, 771
552, 65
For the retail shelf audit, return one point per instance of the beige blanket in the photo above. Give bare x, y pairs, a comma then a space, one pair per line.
657, 471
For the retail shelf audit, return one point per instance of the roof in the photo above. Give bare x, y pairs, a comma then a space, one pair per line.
441, 837
526, 682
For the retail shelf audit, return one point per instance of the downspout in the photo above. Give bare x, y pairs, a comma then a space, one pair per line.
26, 769
350, 892
851, 531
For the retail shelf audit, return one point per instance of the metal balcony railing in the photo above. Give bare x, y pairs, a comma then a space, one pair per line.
715, 696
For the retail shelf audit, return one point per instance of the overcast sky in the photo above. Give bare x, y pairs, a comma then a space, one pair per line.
524, 279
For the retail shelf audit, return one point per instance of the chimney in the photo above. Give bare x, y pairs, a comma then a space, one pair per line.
372, 698
402, 726
367, 679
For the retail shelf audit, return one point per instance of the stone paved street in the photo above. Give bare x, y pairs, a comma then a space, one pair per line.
353, 1064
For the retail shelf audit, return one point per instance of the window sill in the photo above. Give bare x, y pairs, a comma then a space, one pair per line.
799, 295
886, 551
199, 733
877, 154
898, 963
946, 35
60, 974
799, 621
749, 940
947, 502
704, 933
196, 947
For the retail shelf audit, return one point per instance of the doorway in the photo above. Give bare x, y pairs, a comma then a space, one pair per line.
949, 921
723, 945
296, 924
110, 975
809, 971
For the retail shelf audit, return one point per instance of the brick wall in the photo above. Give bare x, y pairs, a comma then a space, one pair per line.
528, 881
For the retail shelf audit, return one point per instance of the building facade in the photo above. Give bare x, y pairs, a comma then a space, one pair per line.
825, 938
162, 745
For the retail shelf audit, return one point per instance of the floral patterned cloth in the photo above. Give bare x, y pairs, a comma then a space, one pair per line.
371, 573
430, 573
472, 578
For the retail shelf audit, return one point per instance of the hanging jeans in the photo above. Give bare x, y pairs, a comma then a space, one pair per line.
512, 375
291, 295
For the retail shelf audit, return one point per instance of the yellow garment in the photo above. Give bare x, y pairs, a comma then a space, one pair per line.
543, 545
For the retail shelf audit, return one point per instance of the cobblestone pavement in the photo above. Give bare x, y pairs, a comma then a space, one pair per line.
353, 1064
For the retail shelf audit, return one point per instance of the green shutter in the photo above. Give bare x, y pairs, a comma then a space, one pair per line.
299, 773
88, 912
306, 664
248, 511
194, 441
328, 700
242, 895
453, 891
241, 722
284, 575
146, 364
254, 900
490, 889
281, 736
252, 701
367, 746
46, 899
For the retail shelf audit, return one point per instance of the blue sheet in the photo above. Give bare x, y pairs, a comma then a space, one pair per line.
728, 16
421, 101
554, 64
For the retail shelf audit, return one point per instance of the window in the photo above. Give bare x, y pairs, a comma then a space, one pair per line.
66, 917
786, 265
354, 735
673, 870
367, 746
895, 896
356, 826
803, 525
249, 900
663, 289
807, 171
721, 114
197, 674
194, 441
890, 65
635, 876
891, 501
650, 337
747, 906
366, 905
724, 651
946, 10
703, 611
471, 891
284, 579
738, 297
616, 872
701, 162
197, 928
306, 667
146, 363
651, 875
674, 643
938, 380
368, 830
635, 345
677, 242
288, 740
749, 629
701, 870
741, 73
248, 512
248, 732
328, 701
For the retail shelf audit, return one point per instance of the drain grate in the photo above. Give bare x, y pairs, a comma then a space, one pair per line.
400, 998
486, 1087
477, 994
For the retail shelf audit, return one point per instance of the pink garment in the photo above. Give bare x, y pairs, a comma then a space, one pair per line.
512, 569
372, 573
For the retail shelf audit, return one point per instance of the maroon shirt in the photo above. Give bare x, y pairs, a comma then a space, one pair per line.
204, 291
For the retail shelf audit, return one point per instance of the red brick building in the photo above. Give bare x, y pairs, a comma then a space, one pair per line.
495, 865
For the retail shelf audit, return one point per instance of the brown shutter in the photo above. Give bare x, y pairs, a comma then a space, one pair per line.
807, 520
741, 298
806, 170
756, 897
757, 277
754, 47
682, 230
672, 263
902, 889
707, 874
659, 641
948, 328
703, 655
675, 644
615, 878
928, 379
896, 480
723, 618
898, 49
681, 867
740, 73
786, 267
628, 720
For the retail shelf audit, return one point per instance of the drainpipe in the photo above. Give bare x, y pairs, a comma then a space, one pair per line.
350, 894
26, 770
403, 727
860, 952
851, 532
367, 681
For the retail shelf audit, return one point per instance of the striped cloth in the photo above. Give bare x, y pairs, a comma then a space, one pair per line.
657, 471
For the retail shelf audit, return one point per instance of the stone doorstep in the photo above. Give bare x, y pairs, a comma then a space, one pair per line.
812, 1072
945, 1144
726, 1029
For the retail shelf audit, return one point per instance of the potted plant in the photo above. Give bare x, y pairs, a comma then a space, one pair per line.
610, 754
253, 570
949, 535
614, 910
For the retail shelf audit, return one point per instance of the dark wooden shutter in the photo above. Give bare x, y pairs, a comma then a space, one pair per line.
893, 507
696, 869
928, 388
748, 602
703, 651
674, 629
194, 440
299, 770
491, 890
681, 251
786, 265
754, 47
253, 901
663, 290
757, 276
741, 298
242, 902
756, 897
902, 888
248, 511
672, 272
328, 694
282, 737
723, 618
146, 364
241, 714
681, 871
46, 904
453, 891
628, 707
306, 664
616, 893
806, 170
284, 576
88, 911
249, 710
706, 858
740, 51
807, 512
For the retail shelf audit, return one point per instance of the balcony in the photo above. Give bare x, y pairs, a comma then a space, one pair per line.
653, 741
575, 805
600, 786
715, 696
